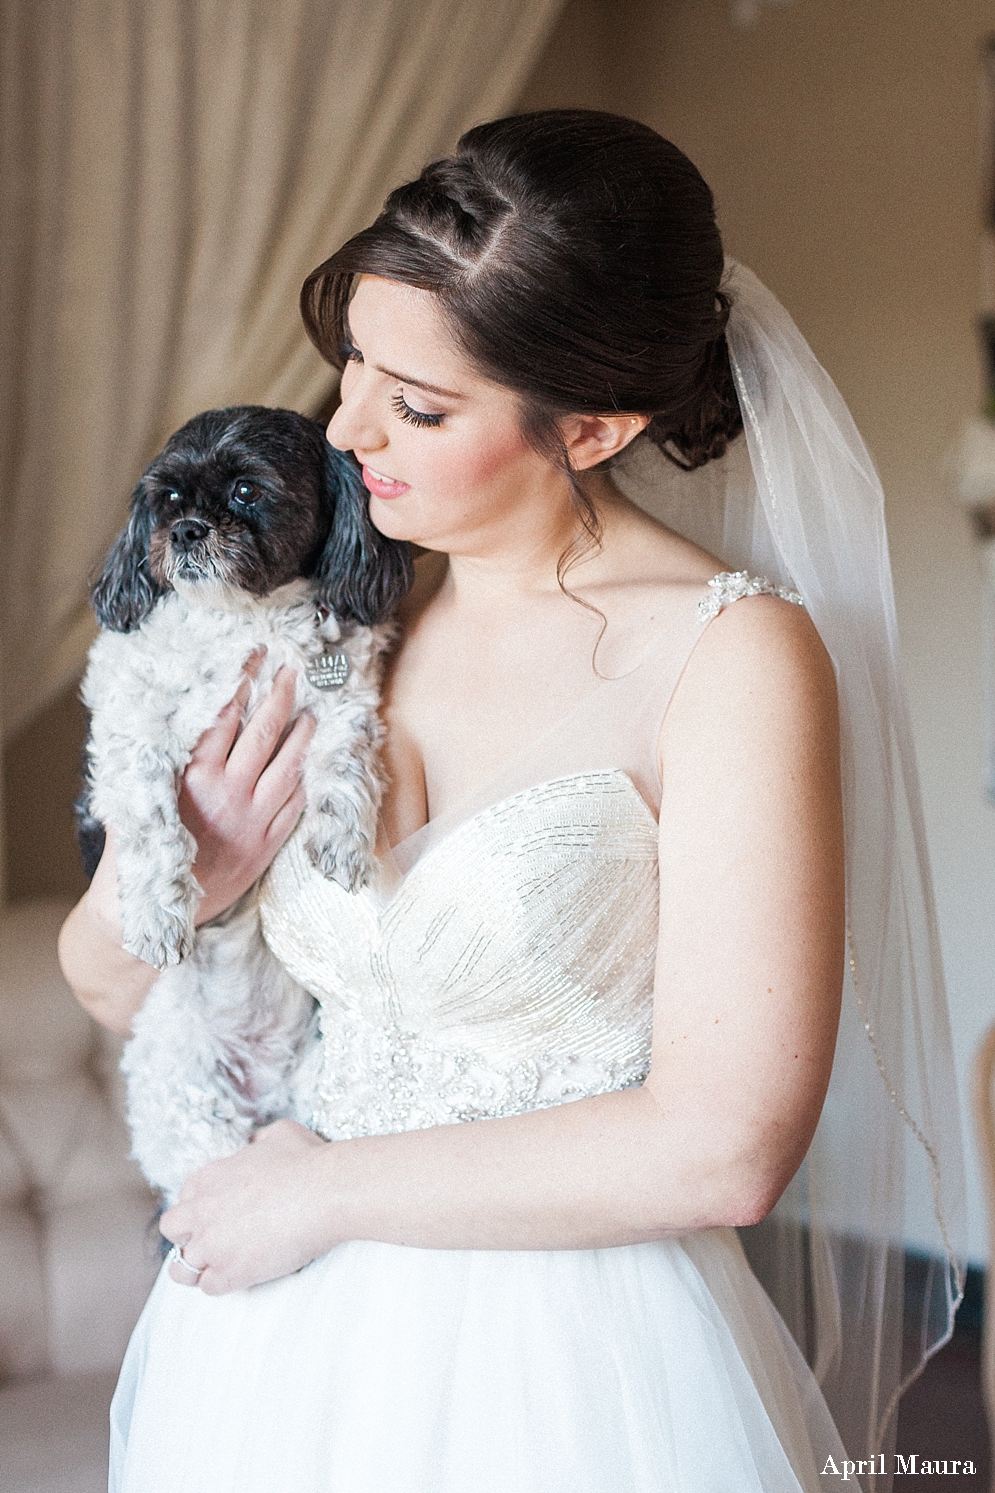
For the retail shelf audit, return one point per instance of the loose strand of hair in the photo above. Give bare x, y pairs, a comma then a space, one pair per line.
542, 432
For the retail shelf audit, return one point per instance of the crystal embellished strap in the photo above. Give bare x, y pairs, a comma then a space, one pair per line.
730, 585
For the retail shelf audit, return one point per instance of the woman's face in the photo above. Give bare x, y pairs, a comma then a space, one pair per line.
441, 447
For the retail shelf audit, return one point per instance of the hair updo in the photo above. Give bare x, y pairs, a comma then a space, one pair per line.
576, 261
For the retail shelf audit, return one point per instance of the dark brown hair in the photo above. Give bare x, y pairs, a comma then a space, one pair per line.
576, 260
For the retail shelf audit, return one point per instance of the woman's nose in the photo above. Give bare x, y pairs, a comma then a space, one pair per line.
354, 425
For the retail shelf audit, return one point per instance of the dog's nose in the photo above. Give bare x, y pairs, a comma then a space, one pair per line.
185, 533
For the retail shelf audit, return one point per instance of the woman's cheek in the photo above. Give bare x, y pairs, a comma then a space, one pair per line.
476, 463
454, 481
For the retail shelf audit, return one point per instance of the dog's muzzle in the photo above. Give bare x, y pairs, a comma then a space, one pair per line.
187, 532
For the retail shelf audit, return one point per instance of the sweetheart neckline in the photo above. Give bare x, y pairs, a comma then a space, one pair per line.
394, 887
382, 895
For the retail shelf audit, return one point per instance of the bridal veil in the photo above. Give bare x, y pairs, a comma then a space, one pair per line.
800, 502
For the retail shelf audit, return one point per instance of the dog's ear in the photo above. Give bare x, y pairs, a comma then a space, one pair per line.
361, 575
126, 591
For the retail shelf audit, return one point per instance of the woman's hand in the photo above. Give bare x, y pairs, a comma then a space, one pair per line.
250, 1217
240, 798
242, 795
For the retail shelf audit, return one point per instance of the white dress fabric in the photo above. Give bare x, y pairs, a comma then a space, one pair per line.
504, 962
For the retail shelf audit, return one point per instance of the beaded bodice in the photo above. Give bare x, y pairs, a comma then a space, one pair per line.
511, 967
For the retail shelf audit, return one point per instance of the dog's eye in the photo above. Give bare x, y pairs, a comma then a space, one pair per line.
245, 492
173, 496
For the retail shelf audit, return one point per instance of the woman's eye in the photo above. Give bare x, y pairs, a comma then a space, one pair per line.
402, 408
245, 492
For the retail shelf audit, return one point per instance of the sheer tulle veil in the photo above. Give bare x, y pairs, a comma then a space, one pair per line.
799, 501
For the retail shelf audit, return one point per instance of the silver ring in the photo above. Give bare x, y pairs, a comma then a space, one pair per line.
176, 1258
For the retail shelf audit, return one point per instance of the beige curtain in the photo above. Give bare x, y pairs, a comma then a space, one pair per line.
172, 170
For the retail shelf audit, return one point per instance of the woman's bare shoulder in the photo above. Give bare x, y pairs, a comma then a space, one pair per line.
755, 632
759, 670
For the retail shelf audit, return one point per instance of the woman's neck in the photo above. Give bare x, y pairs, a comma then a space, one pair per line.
528, 563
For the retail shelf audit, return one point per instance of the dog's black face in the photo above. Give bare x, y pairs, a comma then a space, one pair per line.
251, 498
237, 497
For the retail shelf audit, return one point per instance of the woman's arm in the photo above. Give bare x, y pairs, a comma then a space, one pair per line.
747, 1001
240, 798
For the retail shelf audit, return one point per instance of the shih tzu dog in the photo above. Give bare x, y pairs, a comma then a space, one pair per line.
247, 532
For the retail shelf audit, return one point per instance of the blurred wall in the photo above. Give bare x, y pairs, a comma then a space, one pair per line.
41, 780
576, 69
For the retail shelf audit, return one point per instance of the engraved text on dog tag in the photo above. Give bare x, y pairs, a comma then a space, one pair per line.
328, 671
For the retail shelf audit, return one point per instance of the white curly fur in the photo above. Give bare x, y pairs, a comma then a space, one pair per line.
226, 1041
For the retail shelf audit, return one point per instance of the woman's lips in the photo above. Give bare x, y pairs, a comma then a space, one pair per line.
383, 487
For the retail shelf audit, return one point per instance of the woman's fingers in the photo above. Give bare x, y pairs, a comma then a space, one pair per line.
244, 1219
282, 823
214, 746
241, 794
261, 736
171, 1225
185, 1265
281, 778
182, 1269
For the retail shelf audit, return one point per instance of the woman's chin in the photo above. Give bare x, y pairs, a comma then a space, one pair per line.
397, 520
387, 516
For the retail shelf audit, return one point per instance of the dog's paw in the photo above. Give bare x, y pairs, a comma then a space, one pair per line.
160, 947
158, 894
347, 862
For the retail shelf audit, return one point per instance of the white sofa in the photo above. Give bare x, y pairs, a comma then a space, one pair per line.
78, 1243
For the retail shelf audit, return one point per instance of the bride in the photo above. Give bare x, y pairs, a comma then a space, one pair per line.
610, 920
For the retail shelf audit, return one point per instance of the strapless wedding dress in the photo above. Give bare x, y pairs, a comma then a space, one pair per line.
504, 962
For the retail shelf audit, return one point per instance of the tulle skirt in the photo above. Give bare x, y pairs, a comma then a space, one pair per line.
650, 1368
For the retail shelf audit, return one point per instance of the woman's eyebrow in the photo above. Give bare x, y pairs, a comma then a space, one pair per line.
419, 383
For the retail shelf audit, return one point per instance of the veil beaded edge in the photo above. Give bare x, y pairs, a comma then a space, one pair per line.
798, 500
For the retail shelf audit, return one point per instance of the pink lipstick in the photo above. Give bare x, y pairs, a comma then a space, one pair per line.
383, 487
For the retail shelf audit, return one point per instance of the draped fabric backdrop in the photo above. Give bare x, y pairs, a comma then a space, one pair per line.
172, 170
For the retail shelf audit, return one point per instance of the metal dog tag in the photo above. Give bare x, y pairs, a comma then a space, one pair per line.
329, 671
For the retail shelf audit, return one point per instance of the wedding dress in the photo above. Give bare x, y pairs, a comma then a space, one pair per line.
504, 962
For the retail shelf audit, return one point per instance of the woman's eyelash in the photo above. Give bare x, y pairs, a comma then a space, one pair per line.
401, 407
351, 354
